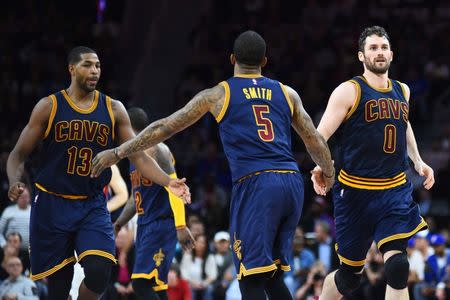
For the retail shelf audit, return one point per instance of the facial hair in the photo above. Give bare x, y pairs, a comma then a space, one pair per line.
372, 66
84, 86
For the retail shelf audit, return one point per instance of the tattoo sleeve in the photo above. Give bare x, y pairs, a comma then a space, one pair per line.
314, 142
158, 131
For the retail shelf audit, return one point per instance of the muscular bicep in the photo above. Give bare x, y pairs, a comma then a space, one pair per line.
338, 108
36, 128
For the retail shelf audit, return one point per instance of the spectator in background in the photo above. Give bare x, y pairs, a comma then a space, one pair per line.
17, 286
14, 239
16, 218
318, 212
178, 287
435, 269
324, 247
8, 252
375, 287
211, 200
416, 265
314, 283
302, 261
199, 268
224, 261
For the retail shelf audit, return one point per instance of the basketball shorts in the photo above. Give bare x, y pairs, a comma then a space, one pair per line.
265, 210
363, 216
155, 250
60, 226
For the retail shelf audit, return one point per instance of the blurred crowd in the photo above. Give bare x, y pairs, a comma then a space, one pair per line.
312, 47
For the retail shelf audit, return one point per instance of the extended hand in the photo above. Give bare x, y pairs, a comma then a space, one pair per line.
322, 184
425, 170
185, 238
15, 190
179, 188
103, 160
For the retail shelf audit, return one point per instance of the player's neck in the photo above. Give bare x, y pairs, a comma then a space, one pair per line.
380, 81
79, 95
244, 70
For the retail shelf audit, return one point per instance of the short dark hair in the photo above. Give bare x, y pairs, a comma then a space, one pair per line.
368, 31
74, 55
249, 48
138, 117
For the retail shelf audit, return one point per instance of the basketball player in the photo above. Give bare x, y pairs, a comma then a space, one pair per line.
255, 114
161, 219
372, 197
69, 209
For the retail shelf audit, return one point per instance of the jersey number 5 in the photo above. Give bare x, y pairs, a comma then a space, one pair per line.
266, 133
390, 138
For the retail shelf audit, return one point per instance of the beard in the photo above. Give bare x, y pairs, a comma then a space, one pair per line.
85, 86
372, 66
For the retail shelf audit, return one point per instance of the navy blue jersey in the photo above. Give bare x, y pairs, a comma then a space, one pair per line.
152, 200
72, 139
374, 154
255, 125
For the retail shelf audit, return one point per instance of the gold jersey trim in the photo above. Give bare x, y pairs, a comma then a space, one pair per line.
111, 115
177, 206
353, 263
422, 225
288, 99
245, 272
52, 115
54, 269
160, 285
226, 101
98, 253
371, 183
81, 110
403, 89
382, 90
356, 102
248, 75
71, 197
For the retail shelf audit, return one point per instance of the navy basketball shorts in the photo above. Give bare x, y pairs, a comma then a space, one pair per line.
363, 216
265, 210
155, 249
59, 227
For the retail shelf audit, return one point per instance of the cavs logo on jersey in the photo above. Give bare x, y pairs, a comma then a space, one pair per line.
77, 130
386, 108
158, 257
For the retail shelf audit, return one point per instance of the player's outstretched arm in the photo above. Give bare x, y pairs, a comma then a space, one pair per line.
158, 131
127, 213
413, 151
339, 108
314, 142
144, 164
34, 131
119, 188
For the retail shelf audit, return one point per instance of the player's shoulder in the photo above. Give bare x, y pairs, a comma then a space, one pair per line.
405, 89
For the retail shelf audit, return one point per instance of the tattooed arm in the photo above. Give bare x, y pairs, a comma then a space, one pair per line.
314, 142
207, 100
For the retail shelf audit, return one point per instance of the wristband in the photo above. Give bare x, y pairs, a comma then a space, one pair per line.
116, 152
